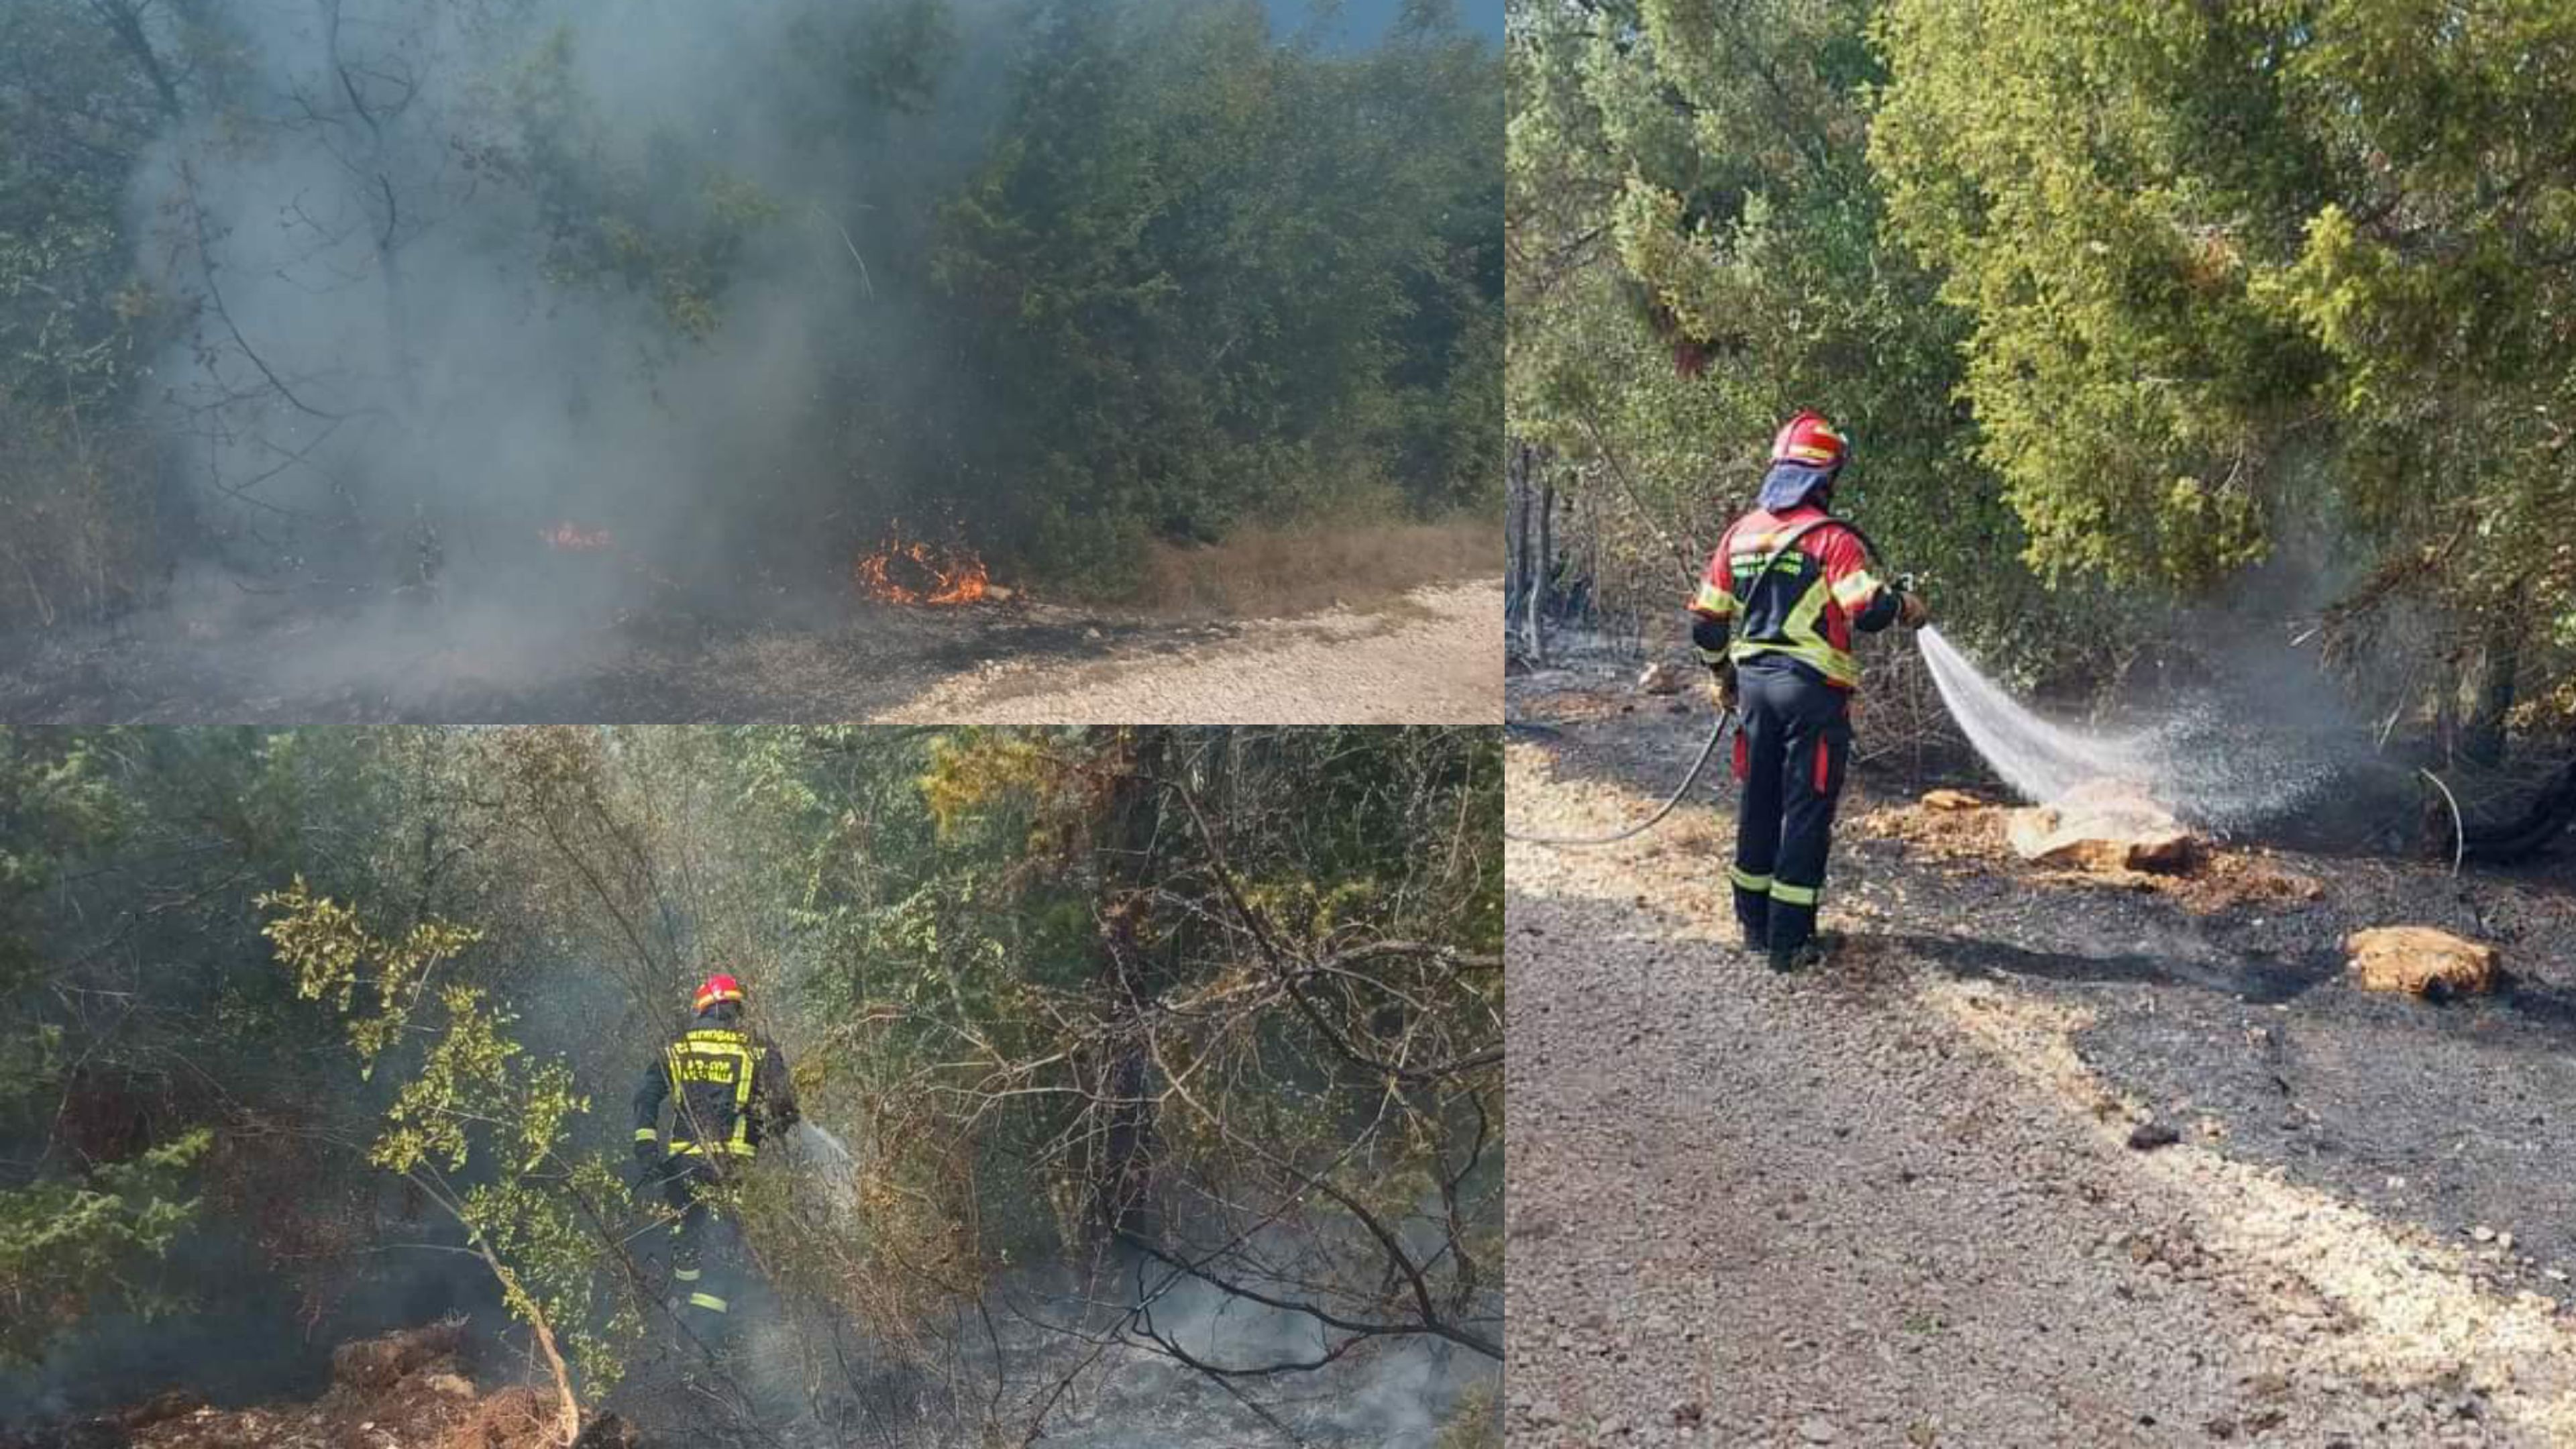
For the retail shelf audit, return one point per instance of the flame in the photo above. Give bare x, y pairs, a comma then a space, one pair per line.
919, 572
564, 535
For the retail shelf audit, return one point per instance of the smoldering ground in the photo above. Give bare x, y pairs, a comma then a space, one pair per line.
395, 396
484, 346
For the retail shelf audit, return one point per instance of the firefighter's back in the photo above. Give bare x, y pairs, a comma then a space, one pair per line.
714, 1070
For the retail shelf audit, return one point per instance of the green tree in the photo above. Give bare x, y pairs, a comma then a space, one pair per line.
2238, 272
1697, 249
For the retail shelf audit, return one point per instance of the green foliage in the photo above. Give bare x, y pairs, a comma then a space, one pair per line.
330, 952
968, 942
476, 1127
65, 1244
1228, 279
2233, 268
1208, 277
1690, 180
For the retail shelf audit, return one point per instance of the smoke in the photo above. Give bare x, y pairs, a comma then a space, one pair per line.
1393, 1393
464, 273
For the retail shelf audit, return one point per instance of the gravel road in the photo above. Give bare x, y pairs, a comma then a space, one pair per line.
1434, 657
1431, 656
1892, 1204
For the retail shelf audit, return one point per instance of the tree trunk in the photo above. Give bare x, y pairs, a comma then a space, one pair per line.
1122, 1183
1533, 631
2489, 688
1516, 522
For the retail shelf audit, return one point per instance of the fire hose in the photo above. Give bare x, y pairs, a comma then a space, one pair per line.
1726, 719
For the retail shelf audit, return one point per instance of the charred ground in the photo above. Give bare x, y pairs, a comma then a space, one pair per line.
2231, 1018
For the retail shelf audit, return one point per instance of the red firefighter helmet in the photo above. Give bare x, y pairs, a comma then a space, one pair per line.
718, 987
1809, 439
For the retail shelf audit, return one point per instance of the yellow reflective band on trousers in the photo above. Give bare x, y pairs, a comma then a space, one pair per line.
707, 1301
714, 1055
1793, 895
647, 1134
1747, 880
685, 1275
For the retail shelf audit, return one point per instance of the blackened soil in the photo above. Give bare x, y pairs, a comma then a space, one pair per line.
852, 663
2237, 1027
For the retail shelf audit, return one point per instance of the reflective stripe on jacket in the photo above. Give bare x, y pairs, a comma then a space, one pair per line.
1792, 585
728, 1089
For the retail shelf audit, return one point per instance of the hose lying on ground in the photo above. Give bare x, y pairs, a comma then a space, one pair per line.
1717, 732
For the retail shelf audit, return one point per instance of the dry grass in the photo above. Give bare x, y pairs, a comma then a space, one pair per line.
1269, 572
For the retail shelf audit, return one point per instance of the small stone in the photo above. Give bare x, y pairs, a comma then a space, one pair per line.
1659, 678
1688, 1413
2420, 960
2483, 1234
2148, 1136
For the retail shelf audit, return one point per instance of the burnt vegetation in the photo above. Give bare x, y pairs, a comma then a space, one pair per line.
548, 312
1151, 1080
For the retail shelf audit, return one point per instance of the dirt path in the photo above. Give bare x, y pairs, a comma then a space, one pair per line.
1893, 1204
1433, 658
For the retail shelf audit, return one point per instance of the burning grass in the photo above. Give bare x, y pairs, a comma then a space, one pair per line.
570, 539
917, 571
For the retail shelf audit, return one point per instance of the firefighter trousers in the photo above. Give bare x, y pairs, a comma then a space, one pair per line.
1792, 744
704, 1301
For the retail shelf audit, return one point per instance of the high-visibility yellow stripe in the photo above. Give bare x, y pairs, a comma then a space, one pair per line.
708, 1301
1804, 641
1712, 657
1749, 881
686, 1275
1713, 600
1855, 587
718, 1042
647, 1134
728, 1148
1793, 895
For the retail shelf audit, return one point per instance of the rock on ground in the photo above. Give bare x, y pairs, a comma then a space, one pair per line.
2420, 961
1659, 678
2102, 825
1882, 1205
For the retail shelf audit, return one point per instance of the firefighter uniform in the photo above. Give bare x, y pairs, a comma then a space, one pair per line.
728, 1089
1775, 617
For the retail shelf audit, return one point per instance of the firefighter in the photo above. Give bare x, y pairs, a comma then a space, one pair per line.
729, 1091
1773, 621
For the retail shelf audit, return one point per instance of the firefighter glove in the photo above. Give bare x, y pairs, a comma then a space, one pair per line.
1912, 612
